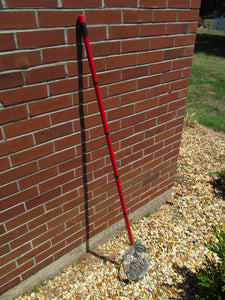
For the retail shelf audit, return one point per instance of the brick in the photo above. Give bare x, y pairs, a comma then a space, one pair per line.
171, 76
58, 18
57, 181
19, 60
182, 63
8, 190
153, 3
34, 3
134, 72
185, 40
137, 16
48, 234
23, 94
24, 218
7, 42
59, 54
109, 77
118, 3
63, 218
133, 97
146, 104
159, 42
12, 114
149, 81
105, 48
189, 15
10, 284
64, 86
30, 234
189, 51
166, 117
153, 29
160, 67
53, 133
51, 104
187, 72
26, 126
12, 212
196, 4
4, 163
41, 38
45, 74
60, 200
9, 80
164, 15
84, 3
123, 32
179, 4
135, 45
149, 57
176, 28
16, 145
16, 173
19, 197
68, 141
65, 115
158, 90
15, 272
41, 199
31, 254
37, 177
173, 53
122, 87
143, 125
56, 158
120, 112
31, 154
103, 16
184, 93
180, 84
8, 237
17, 19
3, 250
124, 60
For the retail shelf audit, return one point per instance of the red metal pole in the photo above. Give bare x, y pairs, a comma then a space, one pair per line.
84, 32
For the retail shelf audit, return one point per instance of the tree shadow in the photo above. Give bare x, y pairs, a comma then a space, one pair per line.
82, 126
188, 287
218, 187
210, 44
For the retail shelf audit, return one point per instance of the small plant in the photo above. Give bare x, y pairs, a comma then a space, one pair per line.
221, 176
189, 119
148, 214
211, 278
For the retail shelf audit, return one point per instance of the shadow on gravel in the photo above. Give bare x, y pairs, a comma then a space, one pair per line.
188, 286
219, 188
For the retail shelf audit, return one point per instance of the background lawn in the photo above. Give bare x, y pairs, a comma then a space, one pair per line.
206, 97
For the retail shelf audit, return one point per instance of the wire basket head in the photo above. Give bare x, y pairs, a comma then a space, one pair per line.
136, 261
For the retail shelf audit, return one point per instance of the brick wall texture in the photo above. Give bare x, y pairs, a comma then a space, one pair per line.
143, 54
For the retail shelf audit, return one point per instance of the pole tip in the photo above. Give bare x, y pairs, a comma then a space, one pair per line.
81, 19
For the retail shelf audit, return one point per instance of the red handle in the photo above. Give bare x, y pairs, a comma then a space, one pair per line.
84, 33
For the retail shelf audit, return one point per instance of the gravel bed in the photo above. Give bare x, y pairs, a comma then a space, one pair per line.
174, 235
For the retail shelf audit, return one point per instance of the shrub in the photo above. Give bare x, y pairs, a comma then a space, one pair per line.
211, 278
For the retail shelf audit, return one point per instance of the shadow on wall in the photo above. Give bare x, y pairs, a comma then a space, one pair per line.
82, 126
210, 44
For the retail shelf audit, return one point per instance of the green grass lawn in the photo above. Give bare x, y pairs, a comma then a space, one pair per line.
206, 97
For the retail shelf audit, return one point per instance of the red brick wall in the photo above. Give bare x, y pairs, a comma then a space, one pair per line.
143, 53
